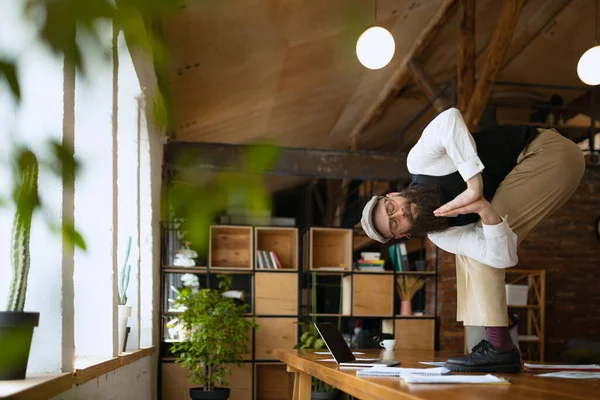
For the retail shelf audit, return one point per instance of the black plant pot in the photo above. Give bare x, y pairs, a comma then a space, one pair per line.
216, 394
16, 332
323, 395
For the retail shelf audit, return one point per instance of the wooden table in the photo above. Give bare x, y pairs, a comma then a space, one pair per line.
524, 385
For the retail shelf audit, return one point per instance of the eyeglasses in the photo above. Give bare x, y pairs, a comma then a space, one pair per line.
390, 209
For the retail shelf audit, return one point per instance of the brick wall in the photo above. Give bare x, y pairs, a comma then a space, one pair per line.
566, 246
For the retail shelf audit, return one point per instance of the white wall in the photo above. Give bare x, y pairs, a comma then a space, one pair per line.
38, 118
133, 381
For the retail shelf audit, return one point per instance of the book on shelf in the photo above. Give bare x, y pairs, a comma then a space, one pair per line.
268, 260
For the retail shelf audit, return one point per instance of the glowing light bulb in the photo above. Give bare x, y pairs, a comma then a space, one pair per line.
588, 67
375, 47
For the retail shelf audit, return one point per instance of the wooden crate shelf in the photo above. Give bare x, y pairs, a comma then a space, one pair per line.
328, 249
274, 333
276, 294
282, 241
373, 295
230, 247
273, 382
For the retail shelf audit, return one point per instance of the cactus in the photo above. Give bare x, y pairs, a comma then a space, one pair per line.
26, 198
124, 281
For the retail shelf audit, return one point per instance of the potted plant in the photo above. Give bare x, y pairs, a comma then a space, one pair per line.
216, 335
124, 311
16, 325
310, 339
407, 286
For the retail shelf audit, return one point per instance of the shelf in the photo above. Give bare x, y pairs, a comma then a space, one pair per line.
225, 270
358, 271
184, 270
530, 306
282, 241
284, 270
431, 273
328, 315
230, 247
415, 317
329, 247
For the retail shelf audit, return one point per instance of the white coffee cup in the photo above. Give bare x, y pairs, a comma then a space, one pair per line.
388, 344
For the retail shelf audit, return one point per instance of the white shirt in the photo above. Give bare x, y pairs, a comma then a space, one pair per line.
446, 146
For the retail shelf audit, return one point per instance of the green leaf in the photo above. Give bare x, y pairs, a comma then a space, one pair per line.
261, 158
73, 237
8, 72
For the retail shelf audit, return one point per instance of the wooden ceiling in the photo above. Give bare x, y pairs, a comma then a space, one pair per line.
285, 71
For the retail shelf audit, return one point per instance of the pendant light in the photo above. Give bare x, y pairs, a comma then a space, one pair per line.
375, 47
588, 67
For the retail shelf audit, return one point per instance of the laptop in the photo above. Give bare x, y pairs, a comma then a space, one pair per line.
341, 352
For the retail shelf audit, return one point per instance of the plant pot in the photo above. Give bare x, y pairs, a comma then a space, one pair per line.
216, 394
124, 314
406, 308
323, 395
16, 332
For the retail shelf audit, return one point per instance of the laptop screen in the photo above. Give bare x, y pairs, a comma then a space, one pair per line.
335, 342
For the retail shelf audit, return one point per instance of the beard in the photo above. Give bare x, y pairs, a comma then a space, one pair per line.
426, 198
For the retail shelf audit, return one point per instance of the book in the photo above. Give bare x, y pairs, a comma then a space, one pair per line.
396, 371
558, 367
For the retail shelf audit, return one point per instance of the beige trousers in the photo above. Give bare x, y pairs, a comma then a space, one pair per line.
547, 174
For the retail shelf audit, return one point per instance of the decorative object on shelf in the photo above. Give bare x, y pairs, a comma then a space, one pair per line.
185, 258
16, 326
421, 265
205, 354
407, 286
124, 311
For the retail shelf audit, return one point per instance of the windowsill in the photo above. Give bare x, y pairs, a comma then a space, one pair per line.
45, 386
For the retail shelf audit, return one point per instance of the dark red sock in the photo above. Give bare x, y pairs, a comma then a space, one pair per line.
499, 337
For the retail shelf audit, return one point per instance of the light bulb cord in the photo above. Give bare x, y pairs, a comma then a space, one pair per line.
596, 24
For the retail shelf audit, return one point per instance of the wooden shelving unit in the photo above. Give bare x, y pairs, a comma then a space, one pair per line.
532, 342
363, 294
272, 295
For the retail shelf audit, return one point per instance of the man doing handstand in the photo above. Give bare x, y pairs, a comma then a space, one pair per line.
478, 197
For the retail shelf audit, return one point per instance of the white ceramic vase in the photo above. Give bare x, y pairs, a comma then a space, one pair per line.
124, 314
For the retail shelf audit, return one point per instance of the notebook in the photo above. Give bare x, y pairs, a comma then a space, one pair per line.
393, 371
478, 379
557, 367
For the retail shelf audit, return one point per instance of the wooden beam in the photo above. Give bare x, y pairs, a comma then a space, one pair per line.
424, 83
197, 157
401, 75
465, 75
495, 54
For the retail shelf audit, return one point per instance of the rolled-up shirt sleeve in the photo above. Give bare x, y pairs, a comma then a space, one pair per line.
493, 245
446, 140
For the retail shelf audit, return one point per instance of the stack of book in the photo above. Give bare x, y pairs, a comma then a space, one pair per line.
268, 260
370, 262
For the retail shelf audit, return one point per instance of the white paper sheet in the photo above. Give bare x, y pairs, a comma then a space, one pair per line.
475, 379
396, 371
434, 363
563, 367
571, 375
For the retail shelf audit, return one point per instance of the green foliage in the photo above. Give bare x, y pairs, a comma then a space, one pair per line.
125, 271
311, 340
217, 334
212, 192
26, 198
8, 72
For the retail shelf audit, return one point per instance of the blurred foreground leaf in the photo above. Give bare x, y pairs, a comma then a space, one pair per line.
8, 72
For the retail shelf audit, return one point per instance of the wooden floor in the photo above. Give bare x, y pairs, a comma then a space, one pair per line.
523, 385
